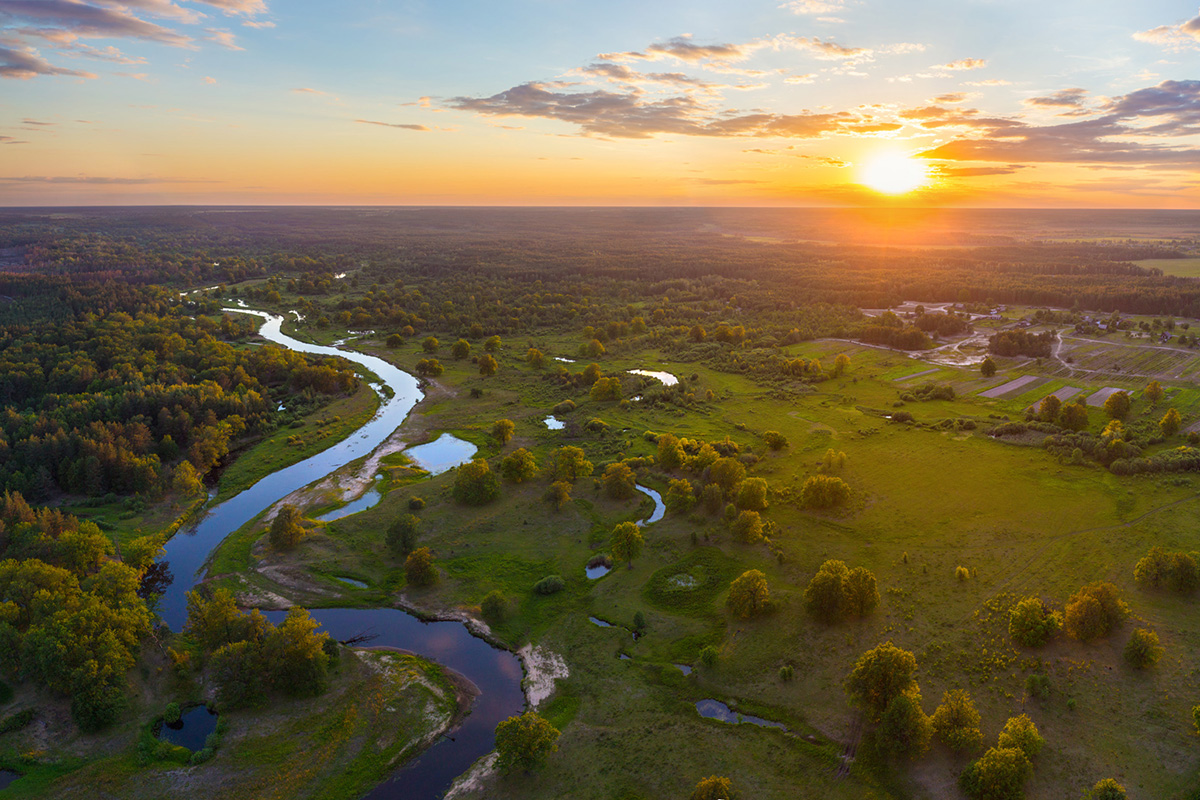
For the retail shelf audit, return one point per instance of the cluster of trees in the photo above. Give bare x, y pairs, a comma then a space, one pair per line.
824, 491
109, 401
1022, 343
71, 616
838, 593
1163, 569
249, 657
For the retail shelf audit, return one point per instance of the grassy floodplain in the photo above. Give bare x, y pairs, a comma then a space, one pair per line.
925, 501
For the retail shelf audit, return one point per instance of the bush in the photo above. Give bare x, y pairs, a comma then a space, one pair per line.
1032, 624
518, 466
565, 407
416, 503
493, 607
172, 714
524, 742
1107, 789
775, 440
710, 654
1161, 569
419, 569
880, 675
402, 535
962, 574
787, 672
713, 788
1037, 685
837, 593
17, 721
748, 526
551, 584
286, 530
904, 731
1143, 649
752, 494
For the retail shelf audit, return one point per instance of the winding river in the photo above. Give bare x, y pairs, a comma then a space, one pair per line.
497, 673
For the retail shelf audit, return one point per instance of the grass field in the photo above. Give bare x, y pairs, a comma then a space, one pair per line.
924, 501
1183, 267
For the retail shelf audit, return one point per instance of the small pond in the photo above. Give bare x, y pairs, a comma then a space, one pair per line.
564, 360
715, 709
684, 668
665, 378
443, 453
554, 423
7, 776
598, 571
600, 622
192, 729
366, 500
351, 581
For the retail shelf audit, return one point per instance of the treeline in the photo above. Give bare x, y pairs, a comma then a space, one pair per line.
108, 400
1022, 343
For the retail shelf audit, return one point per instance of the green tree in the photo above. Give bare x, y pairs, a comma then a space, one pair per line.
461, 350
186, 482
286, 529
841, 364
1143, 649
727, 473
987, 367
606, 389
518, 466
524, 742
1093, 612
697, 334
1107, 789
558, 494
535, 358
956, 722
430, 345
748, 527
1170, 423
394, 341
294, 655
487, 366
1117, 405
670, 453
475, 484
429, 368
749, 594
752, 494
419, 569
824, 491
824, 596
1154, 393
1049, 409
860, 593
1073, 416
904, 730
618, 480
1031, 623
570, 463
1022, 734
493, 607
626, 542
999, 774
402, 534
680, 496
880, 675
502, 431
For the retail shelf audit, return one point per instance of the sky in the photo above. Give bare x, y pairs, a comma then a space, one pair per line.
959, 103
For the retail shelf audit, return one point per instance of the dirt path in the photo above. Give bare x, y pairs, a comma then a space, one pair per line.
851, 749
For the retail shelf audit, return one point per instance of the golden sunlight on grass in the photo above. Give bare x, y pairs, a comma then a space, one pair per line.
893, 173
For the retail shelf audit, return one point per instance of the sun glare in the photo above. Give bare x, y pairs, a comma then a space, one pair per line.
892, 173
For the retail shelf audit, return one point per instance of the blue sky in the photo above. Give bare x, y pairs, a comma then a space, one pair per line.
1009, 102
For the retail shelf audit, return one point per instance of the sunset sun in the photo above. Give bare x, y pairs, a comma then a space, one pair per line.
892, 173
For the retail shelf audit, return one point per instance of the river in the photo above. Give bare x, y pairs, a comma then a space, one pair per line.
497, 673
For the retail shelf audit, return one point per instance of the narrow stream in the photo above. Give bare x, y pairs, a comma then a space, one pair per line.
497, 673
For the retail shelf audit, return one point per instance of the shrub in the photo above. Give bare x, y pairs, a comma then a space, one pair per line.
748, 526
787, 672
680, 497
1107, 789
524, 742
713, 787
416, 503
904, 731
1032, 624
518, 466
172, 714
286, 530
775, 440
1143, 649
1037, 685
618, 480
565, 407
880, 675
837, 593
502, 430
1161, 569
962, 574
551, 584
710, 654
752, 494
493, 606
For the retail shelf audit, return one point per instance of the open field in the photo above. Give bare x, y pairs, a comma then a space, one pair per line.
924, 502
1183, 267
